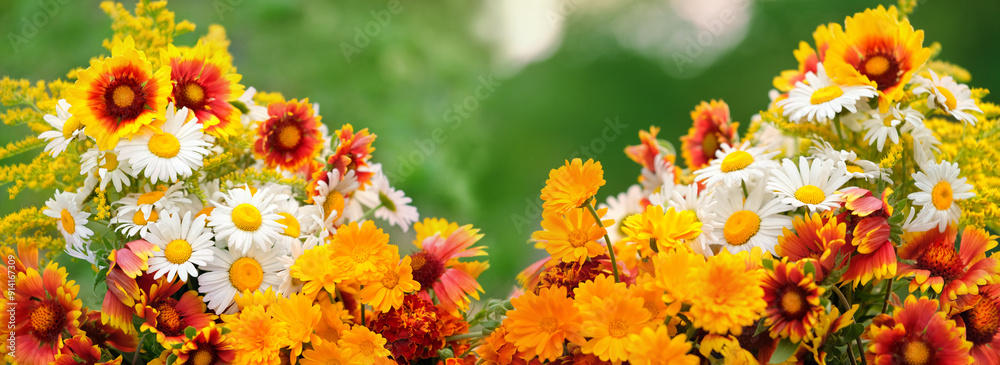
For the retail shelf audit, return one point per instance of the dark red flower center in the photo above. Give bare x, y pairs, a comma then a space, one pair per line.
124, 98
204, 355
942, 260
169, 320
48, 319
427, 269
882, 68
915, 352
982, 321
190, 94
793, 303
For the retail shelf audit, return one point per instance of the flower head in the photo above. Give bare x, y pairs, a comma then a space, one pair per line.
940, 267
47, 307
655, 346
172, 151
711, 129
572, 185
573, 236
729, 296
204, 82
290, 137
539, 324
946, 94
917, 333
363, 345
792, 296
670, 229
940, 188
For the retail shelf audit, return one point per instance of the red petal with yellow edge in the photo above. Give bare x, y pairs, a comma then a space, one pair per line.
975, 243
870, 234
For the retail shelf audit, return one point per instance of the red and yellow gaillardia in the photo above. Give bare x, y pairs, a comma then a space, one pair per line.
204, 81
917, 334
711, 129
290, 137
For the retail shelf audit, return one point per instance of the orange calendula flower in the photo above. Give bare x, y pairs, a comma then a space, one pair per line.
728, 295
917, 333
655, 346
817, 239
260, 336
573, 236
792, 296
326, 352
675, 270
46, 308
437, 268
363, 345
204, 82
363, 250
876, 48
168, 317
670, 229
302, 316
208, 346
116, 96
591, 294
938, 266
388, 292
290, 136
608, 325
313, 269
572, 185
711, 129
539, 324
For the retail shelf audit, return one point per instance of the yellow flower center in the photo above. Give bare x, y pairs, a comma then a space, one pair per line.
140, 220
577, 238
367, 348
292, 228
289, 136
826, 94
68, 224
548, 324
876, 66
203, 356
949, 98
854, 168
740, 227
810, 194
150, 197
888, 120
246, 217
334, 203
916, 353
110, 161
70, 126
653, 310
164, 145
792, 302
193, 92
942, 195
737, 160
390, 279
709, 144
246, 274
617, 328
123, 96
178, 251
45, 318
359, 254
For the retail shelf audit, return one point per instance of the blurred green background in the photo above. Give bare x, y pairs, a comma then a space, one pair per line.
421, 70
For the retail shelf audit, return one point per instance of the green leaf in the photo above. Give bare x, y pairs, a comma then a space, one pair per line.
226, 330
171, 359
768, 264
853, 331
190, 332
810, 269
784, 351
761, 328
445, 353
101, 276
239, 105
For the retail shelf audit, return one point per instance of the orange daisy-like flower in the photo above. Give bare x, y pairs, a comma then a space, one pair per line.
817, 240
675, 270
917, 334
326, 352
876, 48
260, 336
363, 250
204, 82
315, 272
655, 346
868, 231
808, 58
609, 324
572, 237
353, 150
539, 324
290, 136
496, 350
982, 326
208, 346
792, 297
302, 316
940, 267
670, 229
116, 96
712, 128
363, 345
388, 292
728, 295
46, 307
646, 151
437, 268
571, 186
80, 348
168, 317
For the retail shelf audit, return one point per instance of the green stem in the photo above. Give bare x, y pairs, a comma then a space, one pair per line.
607, 239
464, 336
850, 355
847, 306
652, 244
840, 133
888, 291
370, 212
138, 349
363, 323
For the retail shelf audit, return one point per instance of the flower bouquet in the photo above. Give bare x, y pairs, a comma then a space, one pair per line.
850, 224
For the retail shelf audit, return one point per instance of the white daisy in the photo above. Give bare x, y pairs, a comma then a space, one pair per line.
174, 151
246, 219
948, 95
230, 273
752, 222
86, 254
882, 126
687, 197
820, 99
67, 129
924, 142
913, 223
855, 167
773, 139
812, 185
288, 284
184, 242
621, 206
940, 187
332, 194
66, 207
853, 121
137, 210
107, 167
732, 166
663, 175
253, 113
390, 204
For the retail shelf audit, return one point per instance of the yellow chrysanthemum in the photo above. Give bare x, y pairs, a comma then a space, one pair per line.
539, 324
259, 338
728, 296
388, 292
117, 96
570, 186
572, 237
609, 325
673, 271
324, 353
363, 250
363, 346
302, 316
670, 229
591, 293
315, 272
657, 347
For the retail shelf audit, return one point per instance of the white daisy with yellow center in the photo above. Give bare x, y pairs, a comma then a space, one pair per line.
66, 129
812, 185
946, 94
333, 196
184, 242
230, 273
884, 125
71, 221
246, 218
106, 167
940, 190
855, 167
820, 99
172, 151
752, 222
620, 207
138, 210
390, 204
733, 166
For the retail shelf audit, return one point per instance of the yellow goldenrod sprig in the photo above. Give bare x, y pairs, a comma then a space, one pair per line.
27, 144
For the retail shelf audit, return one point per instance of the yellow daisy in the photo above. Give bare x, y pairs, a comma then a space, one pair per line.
573, 236
571, 185
388, 292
